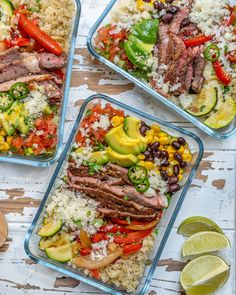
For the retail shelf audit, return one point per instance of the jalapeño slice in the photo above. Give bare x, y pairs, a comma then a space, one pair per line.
19, 90
143, 186
6, 101
137, 174
212, 53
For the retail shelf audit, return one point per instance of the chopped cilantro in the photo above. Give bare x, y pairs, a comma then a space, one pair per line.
65, 179
99, 146
98, 221
202, 108
226, 89
226, 49
88, 113
156, 231
126, 198
78, 222
88, 213
94, 167
168, 195
128, 220
34, 9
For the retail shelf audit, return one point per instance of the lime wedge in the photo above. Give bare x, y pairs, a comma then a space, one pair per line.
196, 224
204, 242
204, 275
224, 116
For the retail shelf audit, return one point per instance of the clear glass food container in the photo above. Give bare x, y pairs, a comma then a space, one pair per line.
166, 224
44, 161
222, 133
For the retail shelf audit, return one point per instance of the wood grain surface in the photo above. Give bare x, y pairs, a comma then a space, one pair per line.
212, 192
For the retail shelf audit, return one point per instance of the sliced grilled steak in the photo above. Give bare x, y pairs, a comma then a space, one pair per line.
52, 90
176, 22
26, 79
116, 171
10, 55
198, 77
163, 44
51, 61
13, 72
189, 31
119, 214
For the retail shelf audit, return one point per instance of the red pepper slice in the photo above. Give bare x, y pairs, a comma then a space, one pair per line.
114, 229
41, 37
129, 249
19, 41
125, 222
224, 77
132, 237
85, 252
197, 40
98, 237
95, 273
231, 56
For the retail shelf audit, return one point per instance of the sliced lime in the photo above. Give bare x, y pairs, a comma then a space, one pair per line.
224, 116
204, 275
195, 224
204, 242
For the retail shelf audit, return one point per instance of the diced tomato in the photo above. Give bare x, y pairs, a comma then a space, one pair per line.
98, 237
224, 77
99, 134
119, 113
231, 19
196, 41
231, 56
133, 248
17, 142
132, 237
85, 252
95, 273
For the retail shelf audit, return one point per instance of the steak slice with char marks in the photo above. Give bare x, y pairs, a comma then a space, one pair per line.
176, 21
10, 55
51, 61
198, 77
13, 72
163, 46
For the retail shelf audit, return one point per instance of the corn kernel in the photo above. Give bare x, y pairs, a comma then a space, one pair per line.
141, 157
170, 149
150, 135
161, 147
164, 140
171, 157
169, 171
181, 171
141, 4
180, 176
141, 163
149, 165
117, 121
2, 139
187, 157
4, 146
162, 134
181, 150
9, 140
156, 128
156, 138
2, 133
174, 162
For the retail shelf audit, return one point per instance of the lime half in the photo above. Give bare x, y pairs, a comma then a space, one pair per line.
195, 224
204, 242
204, 275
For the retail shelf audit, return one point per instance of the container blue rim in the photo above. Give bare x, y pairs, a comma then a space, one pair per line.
45, 163
146, 88
90, 281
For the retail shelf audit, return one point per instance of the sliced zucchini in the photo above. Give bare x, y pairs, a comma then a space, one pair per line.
202, 103
7, 7
50, 227
59, 239
224, 116
62, 254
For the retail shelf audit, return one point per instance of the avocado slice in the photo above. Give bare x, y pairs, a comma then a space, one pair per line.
121, 160
137, 59
224, 116
59, 239
7, 7
61, 254
117, 139
131, 128
23, 127
146, 30
6, 125
202, 103
99, 158
139, 46
47, 110
50, 227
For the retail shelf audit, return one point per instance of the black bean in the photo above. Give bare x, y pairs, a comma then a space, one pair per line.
175, 145
143, 129
172, 9
169, 1
155, 146
181, 141
173, 180
185, 22
164, 175
176, 170
158, 154
147, 153
183, 164
178, 157
165, 155
147, 1
174, 187
158, 5
167, 17
165, 164
149, 159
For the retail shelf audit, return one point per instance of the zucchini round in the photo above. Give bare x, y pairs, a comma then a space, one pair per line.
224, 116
7, 7
202, 103
50, 228
61, 254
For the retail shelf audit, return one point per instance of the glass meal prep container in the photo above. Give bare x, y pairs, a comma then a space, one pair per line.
103, 20
169, 216
48, 159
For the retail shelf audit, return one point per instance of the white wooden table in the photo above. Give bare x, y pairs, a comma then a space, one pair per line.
21, 188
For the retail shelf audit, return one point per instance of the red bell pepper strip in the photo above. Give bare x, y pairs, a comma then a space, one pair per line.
231, 56
132, 237
125, 222
133, 248
195, 41
85, 252
224, 77
21, 42
98, 237
114, 229
95, 273
41, 37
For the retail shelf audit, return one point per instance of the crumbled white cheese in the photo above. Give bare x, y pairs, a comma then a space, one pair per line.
81, 155
103, 123
156, 182
99, 250
35, 103
74, 206
5, 27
